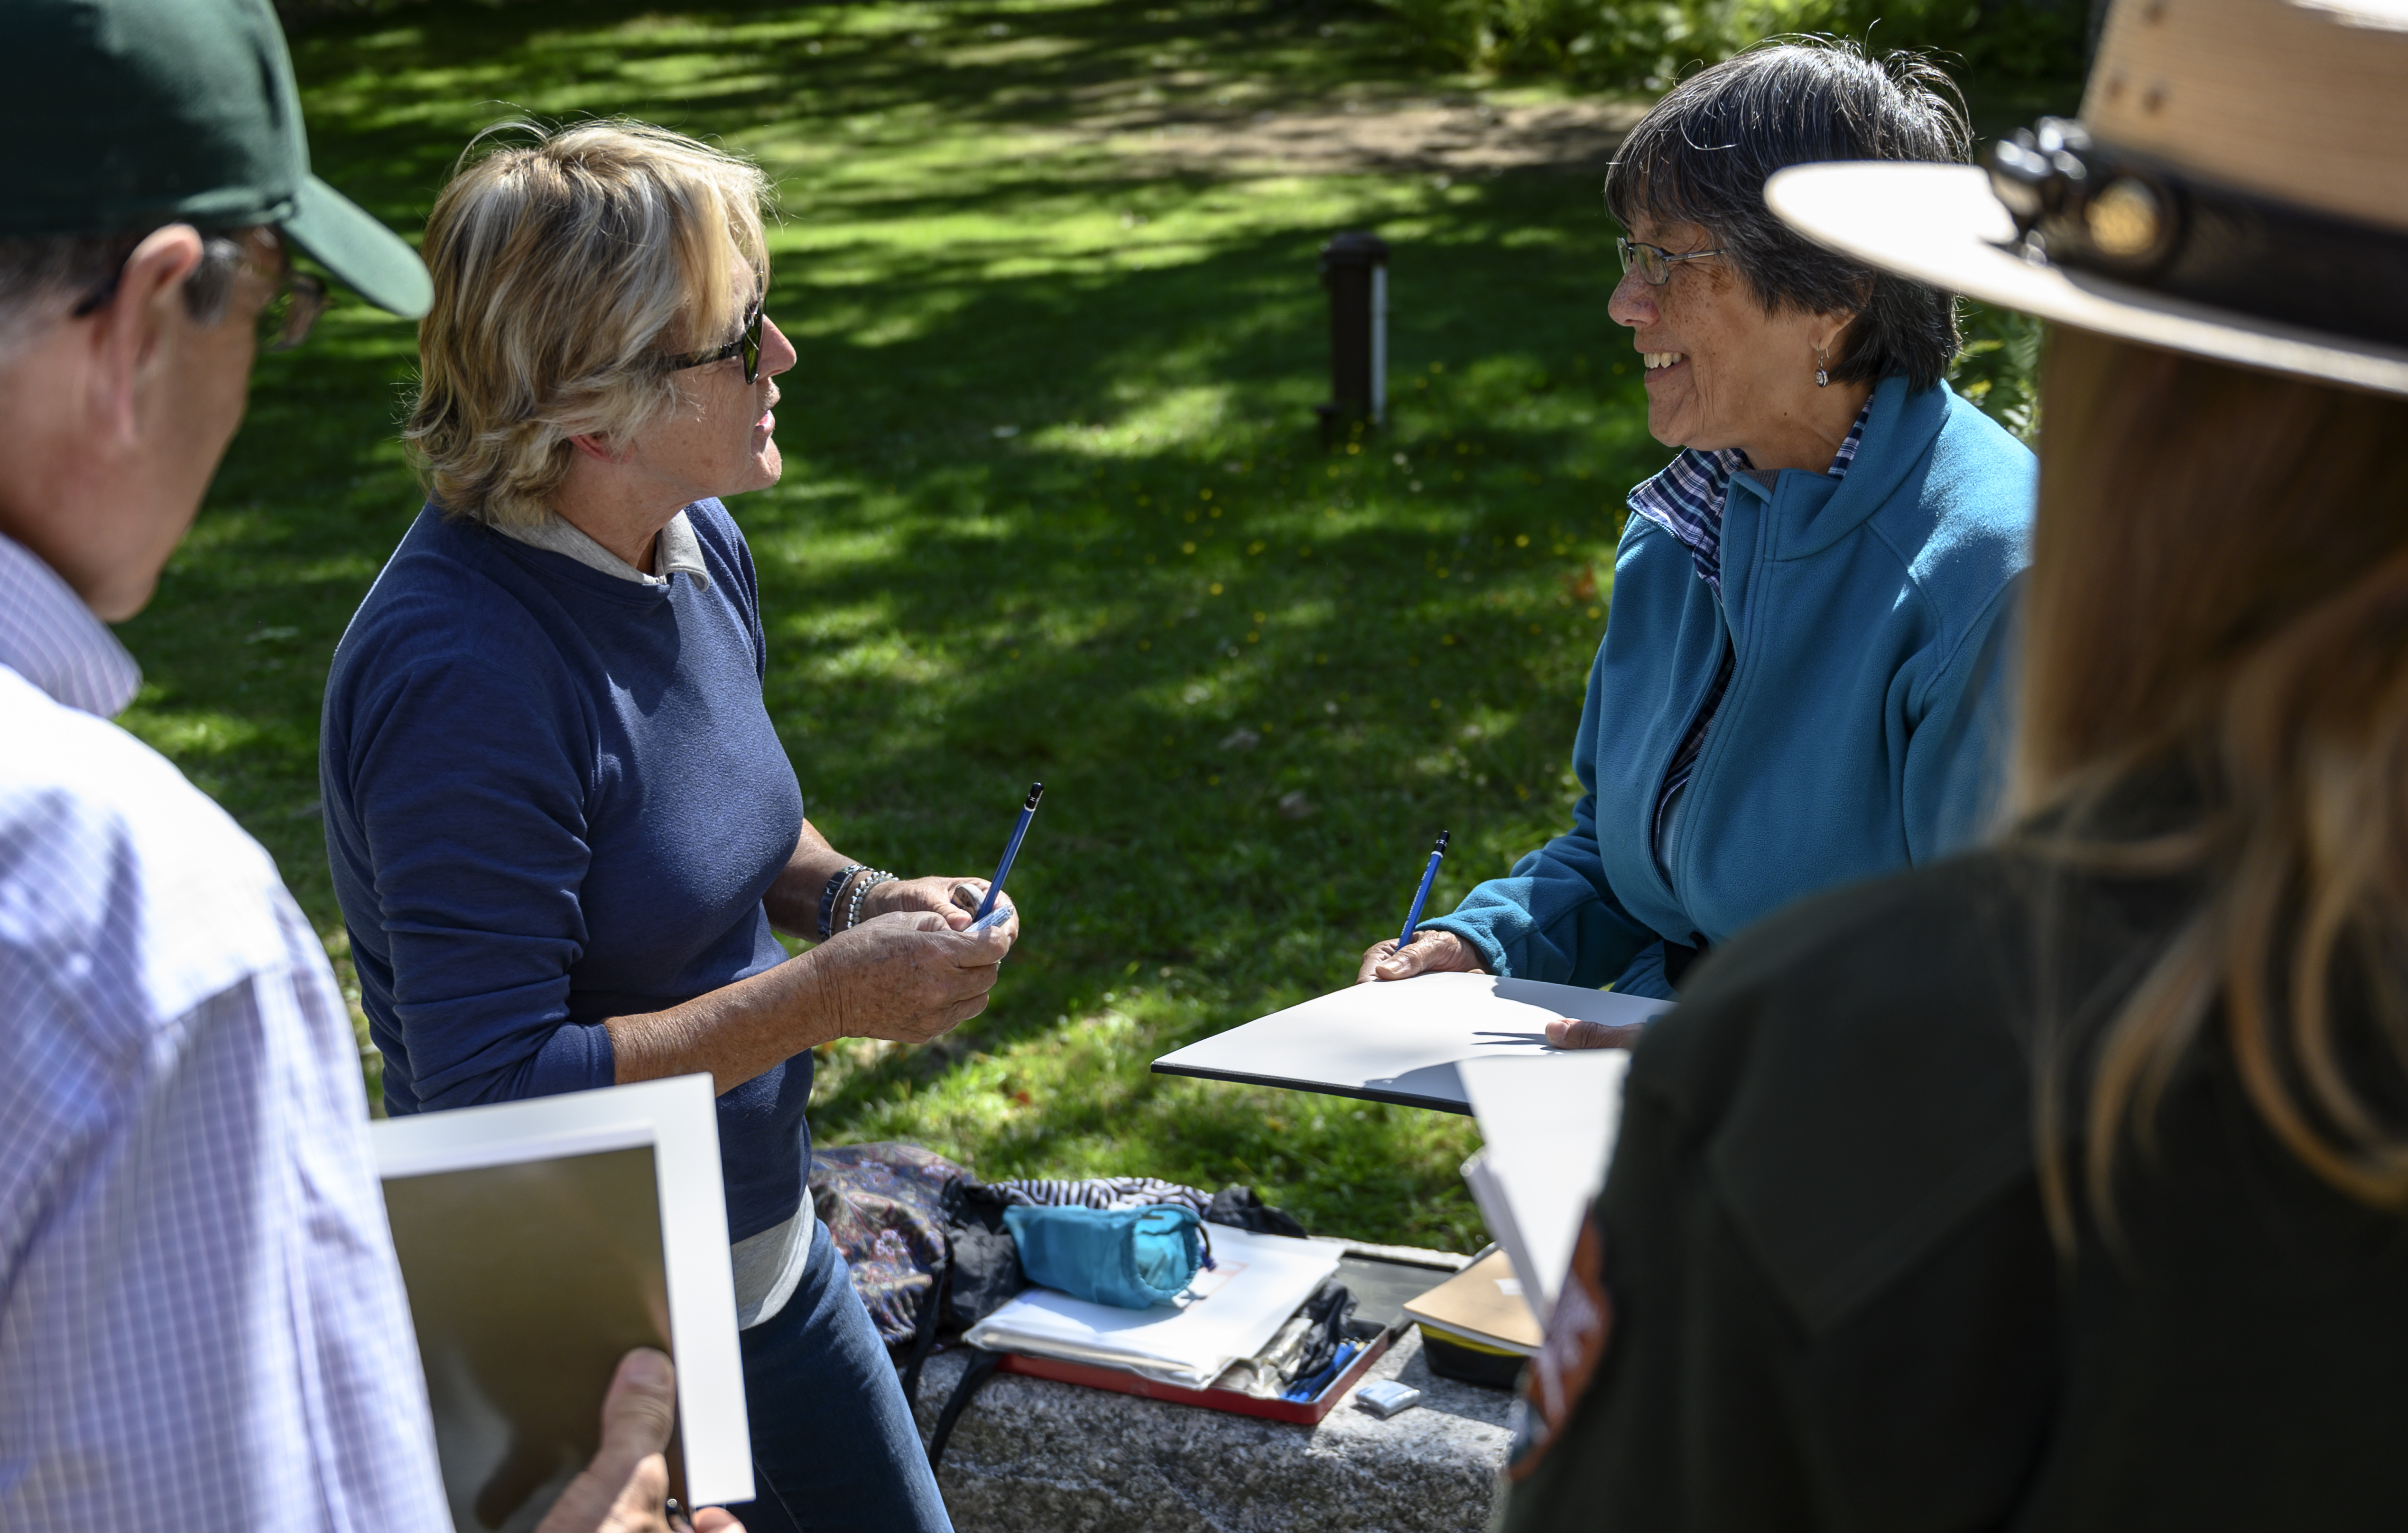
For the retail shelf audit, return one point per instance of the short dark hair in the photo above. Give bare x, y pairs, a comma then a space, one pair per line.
43, 270
1703, 154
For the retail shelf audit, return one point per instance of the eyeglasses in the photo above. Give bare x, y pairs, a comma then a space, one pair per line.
747, 345
1655, 263
285, 321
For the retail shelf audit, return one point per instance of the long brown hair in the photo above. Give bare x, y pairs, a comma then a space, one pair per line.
2219, 589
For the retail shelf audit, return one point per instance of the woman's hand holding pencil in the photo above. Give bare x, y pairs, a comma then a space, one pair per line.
1413, 950
908, 976
1432, 952
954, 898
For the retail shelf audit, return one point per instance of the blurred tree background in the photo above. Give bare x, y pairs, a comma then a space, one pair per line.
1650, 43
1055, 504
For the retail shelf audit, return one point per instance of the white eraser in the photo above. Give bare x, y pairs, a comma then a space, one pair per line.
996, 917
1387, 1398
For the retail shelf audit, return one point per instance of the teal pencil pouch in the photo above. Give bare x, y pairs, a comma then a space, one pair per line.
1131, 1258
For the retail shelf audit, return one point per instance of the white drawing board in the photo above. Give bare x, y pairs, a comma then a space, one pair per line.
1547, 1130
539, 1239
1401, 1040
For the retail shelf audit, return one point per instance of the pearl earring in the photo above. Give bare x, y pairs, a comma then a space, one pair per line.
1822, 372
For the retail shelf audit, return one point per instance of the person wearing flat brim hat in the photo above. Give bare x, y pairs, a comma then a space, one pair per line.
2234, 190
202, 1321
2065, 1184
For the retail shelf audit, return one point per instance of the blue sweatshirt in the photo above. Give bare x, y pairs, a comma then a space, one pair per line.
1862, 730
553, 796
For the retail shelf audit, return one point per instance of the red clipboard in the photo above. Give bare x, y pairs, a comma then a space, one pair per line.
1237, 1402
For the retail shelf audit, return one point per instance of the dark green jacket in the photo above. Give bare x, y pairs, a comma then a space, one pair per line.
1836, 1305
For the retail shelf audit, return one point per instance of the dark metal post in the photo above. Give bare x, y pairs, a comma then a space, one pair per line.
1355, 269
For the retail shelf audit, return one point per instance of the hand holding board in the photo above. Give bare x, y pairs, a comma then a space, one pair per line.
1402, 1039
539, 1240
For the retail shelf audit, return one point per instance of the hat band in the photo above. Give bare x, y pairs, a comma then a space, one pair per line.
2080, 204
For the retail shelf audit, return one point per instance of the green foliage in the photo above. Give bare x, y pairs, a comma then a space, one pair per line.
1653, 43
2000, 368
1054, 506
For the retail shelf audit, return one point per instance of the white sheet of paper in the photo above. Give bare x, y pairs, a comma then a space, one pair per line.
677, 1119
1401, 1040
1548, 1127
996, 917
1189, 1342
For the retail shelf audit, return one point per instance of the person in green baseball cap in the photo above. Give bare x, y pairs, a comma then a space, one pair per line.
202, 1321
130, 116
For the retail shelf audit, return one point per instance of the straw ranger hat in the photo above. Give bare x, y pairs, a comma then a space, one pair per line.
2236, 187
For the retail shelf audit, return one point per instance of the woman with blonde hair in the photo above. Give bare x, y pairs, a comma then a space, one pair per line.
561, 821
2065, 1185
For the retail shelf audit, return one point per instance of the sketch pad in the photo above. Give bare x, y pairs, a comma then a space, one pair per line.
1400, 1040
541, 1240
1231, 1310
1484, 1302
1548, 1130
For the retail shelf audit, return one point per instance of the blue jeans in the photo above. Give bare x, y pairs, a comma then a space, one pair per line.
834, 1446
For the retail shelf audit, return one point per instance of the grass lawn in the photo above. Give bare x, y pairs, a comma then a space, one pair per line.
1053, 508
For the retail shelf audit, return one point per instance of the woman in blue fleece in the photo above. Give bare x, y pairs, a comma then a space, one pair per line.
561, 821
1802, 678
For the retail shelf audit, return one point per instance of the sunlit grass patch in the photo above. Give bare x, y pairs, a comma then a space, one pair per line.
1056, 505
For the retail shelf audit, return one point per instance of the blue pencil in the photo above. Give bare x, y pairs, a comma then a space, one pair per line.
1011, 850
1421, 895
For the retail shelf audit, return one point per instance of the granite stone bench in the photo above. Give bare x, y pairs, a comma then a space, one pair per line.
1032, 1455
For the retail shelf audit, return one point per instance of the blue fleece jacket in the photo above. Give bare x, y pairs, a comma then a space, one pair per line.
1867, 618
555, 796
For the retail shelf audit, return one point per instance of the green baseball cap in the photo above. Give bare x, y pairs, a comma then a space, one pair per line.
133, 114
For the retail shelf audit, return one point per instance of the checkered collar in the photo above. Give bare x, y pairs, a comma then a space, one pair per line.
49, 636
1685, 498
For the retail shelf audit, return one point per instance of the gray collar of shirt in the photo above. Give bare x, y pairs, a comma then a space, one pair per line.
676, 550
48, 637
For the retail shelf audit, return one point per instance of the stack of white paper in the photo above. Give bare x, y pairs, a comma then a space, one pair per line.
1232, 1310
1549, 1127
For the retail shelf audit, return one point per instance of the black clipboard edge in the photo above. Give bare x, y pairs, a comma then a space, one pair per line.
1320, 1088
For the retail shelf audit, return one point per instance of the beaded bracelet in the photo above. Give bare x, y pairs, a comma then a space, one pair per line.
860, 893
827, 897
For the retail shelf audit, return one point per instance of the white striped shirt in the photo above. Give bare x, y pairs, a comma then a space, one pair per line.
202, 1324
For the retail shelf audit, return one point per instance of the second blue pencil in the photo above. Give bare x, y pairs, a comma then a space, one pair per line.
1011, 850
1421, 895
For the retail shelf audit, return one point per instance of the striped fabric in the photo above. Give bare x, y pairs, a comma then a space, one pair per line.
1687, 500
202, 1322
1107, 1193
1685, 496
1847, 453
51, 638
1693, 745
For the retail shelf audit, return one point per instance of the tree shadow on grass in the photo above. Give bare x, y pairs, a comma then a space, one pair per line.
835, 79
1236, 802
1180, 634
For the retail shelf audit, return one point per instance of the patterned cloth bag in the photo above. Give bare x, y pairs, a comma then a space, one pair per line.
883, 1206
928, 1242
